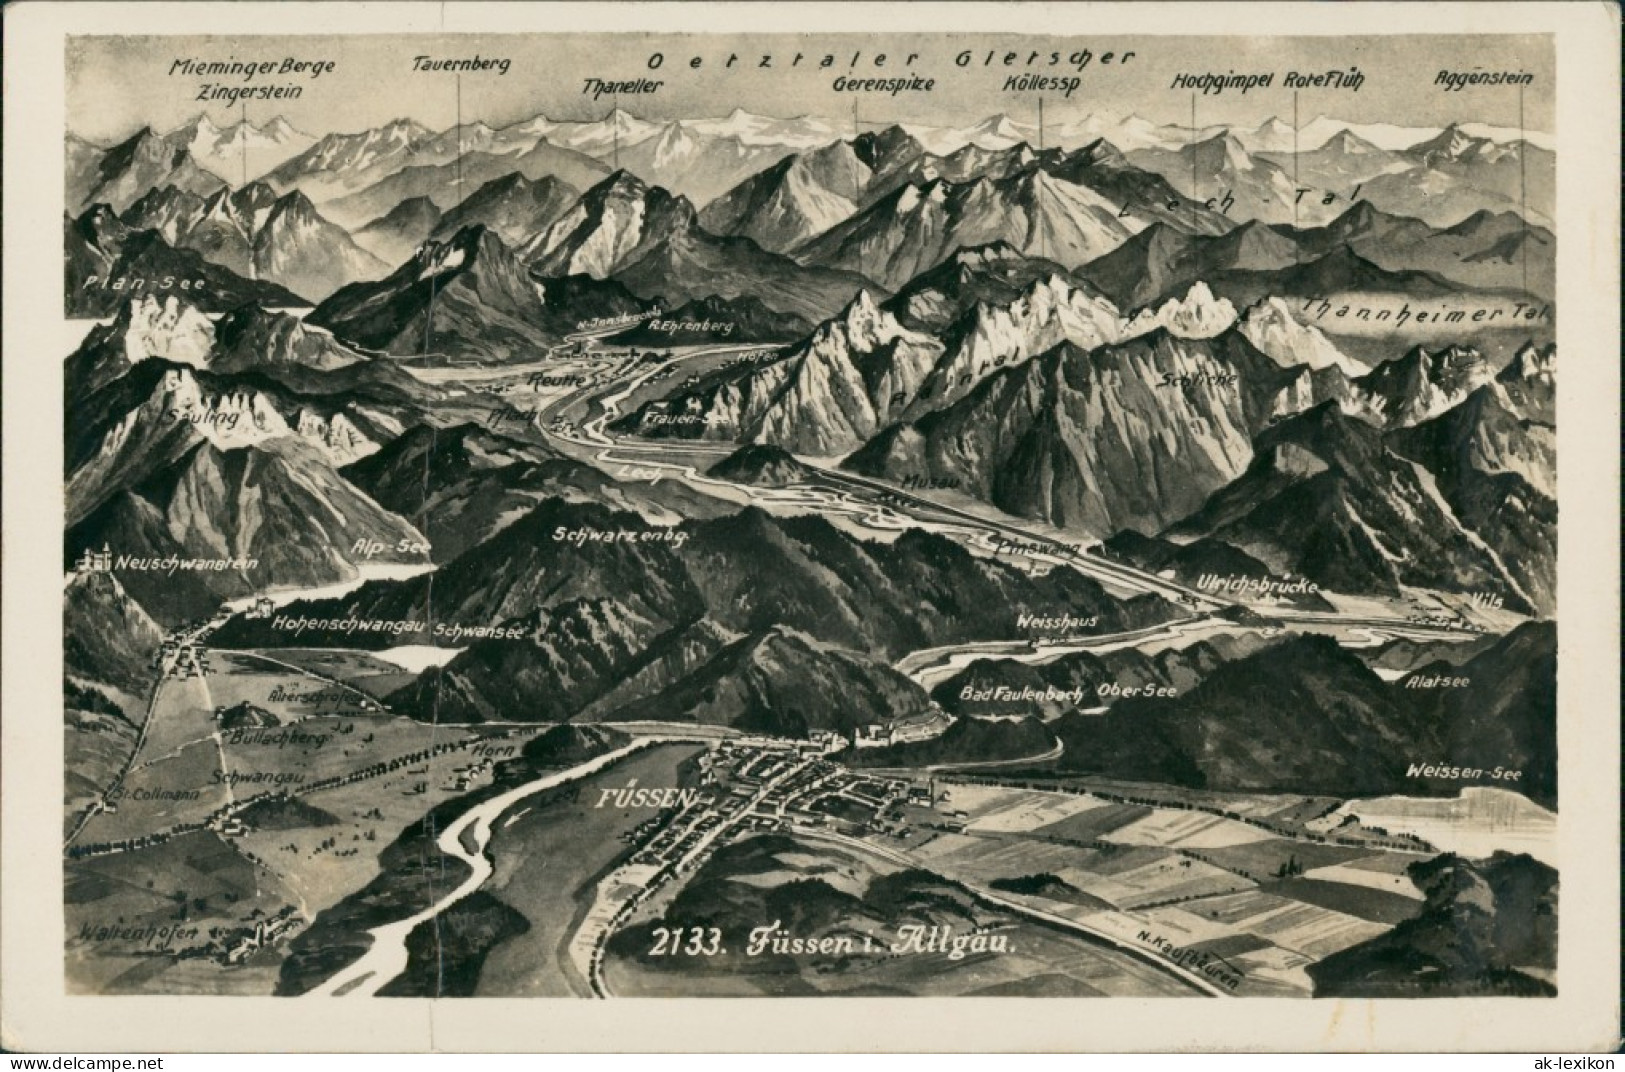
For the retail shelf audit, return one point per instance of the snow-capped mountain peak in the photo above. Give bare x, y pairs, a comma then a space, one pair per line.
1271, 327
279, 129
1198, 315
229, 150
1271, 136
997, 132
199, 127
402, 129
864, 324
170, 330
625, 123
674, 147
798, 132
1451, 143
1533, 365
1223, 152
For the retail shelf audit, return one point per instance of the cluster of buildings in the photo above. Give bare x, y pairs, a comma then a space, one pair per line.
799, 786
240, 943
752, 784
181, 655
465, 775
95, 561
902, 731
232, 944
763, 785
262, 607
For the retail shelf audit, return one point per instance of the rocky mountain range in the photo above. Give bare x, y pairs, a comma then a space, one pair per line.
1442, 178
450, 181
467, 296
160, 410
784, 249
1220, 167
1456, 494
785, 183
235, 153
339, 163
860, 372
1041, 405
1066, 333
834, 390
1494, 458
621, 248
1330, 725
1067, 207
257, 234
1062, 437
513, 206
802, 195
995, 275
1486, 251
1454, 175
1364, 250
106, 263
652, 242
699, 166
275, 511
120, 175
276, 346
733, 623
242, 151
1322, 497
1340, 163
209, 440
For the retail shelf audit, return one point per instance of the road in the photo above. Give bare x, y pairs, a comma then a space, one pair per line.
888, 508
930, 666
870, 502
165, 671
866, 502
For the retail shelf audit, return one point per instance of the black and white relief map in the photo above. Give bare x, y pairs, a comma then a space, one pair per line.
744, 514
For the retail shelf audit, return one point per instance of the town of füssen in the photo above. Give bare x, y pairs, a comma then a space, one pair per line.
918, 514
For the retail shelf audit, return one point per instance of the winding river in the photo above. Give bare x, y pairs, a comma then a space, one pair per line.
387, 957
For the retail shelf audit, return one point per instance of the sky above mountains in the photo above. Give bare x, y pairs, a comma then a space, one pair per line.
116, 85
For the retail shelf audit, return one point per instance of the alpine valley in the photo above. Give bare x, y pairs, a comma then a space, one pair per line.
650, 556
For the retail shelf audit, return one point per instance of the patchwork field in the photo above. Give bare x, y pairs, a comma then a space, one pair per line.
1266, 904
368, 675
1297, 927
95, 747
860, 894
134, 916
1270, 857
